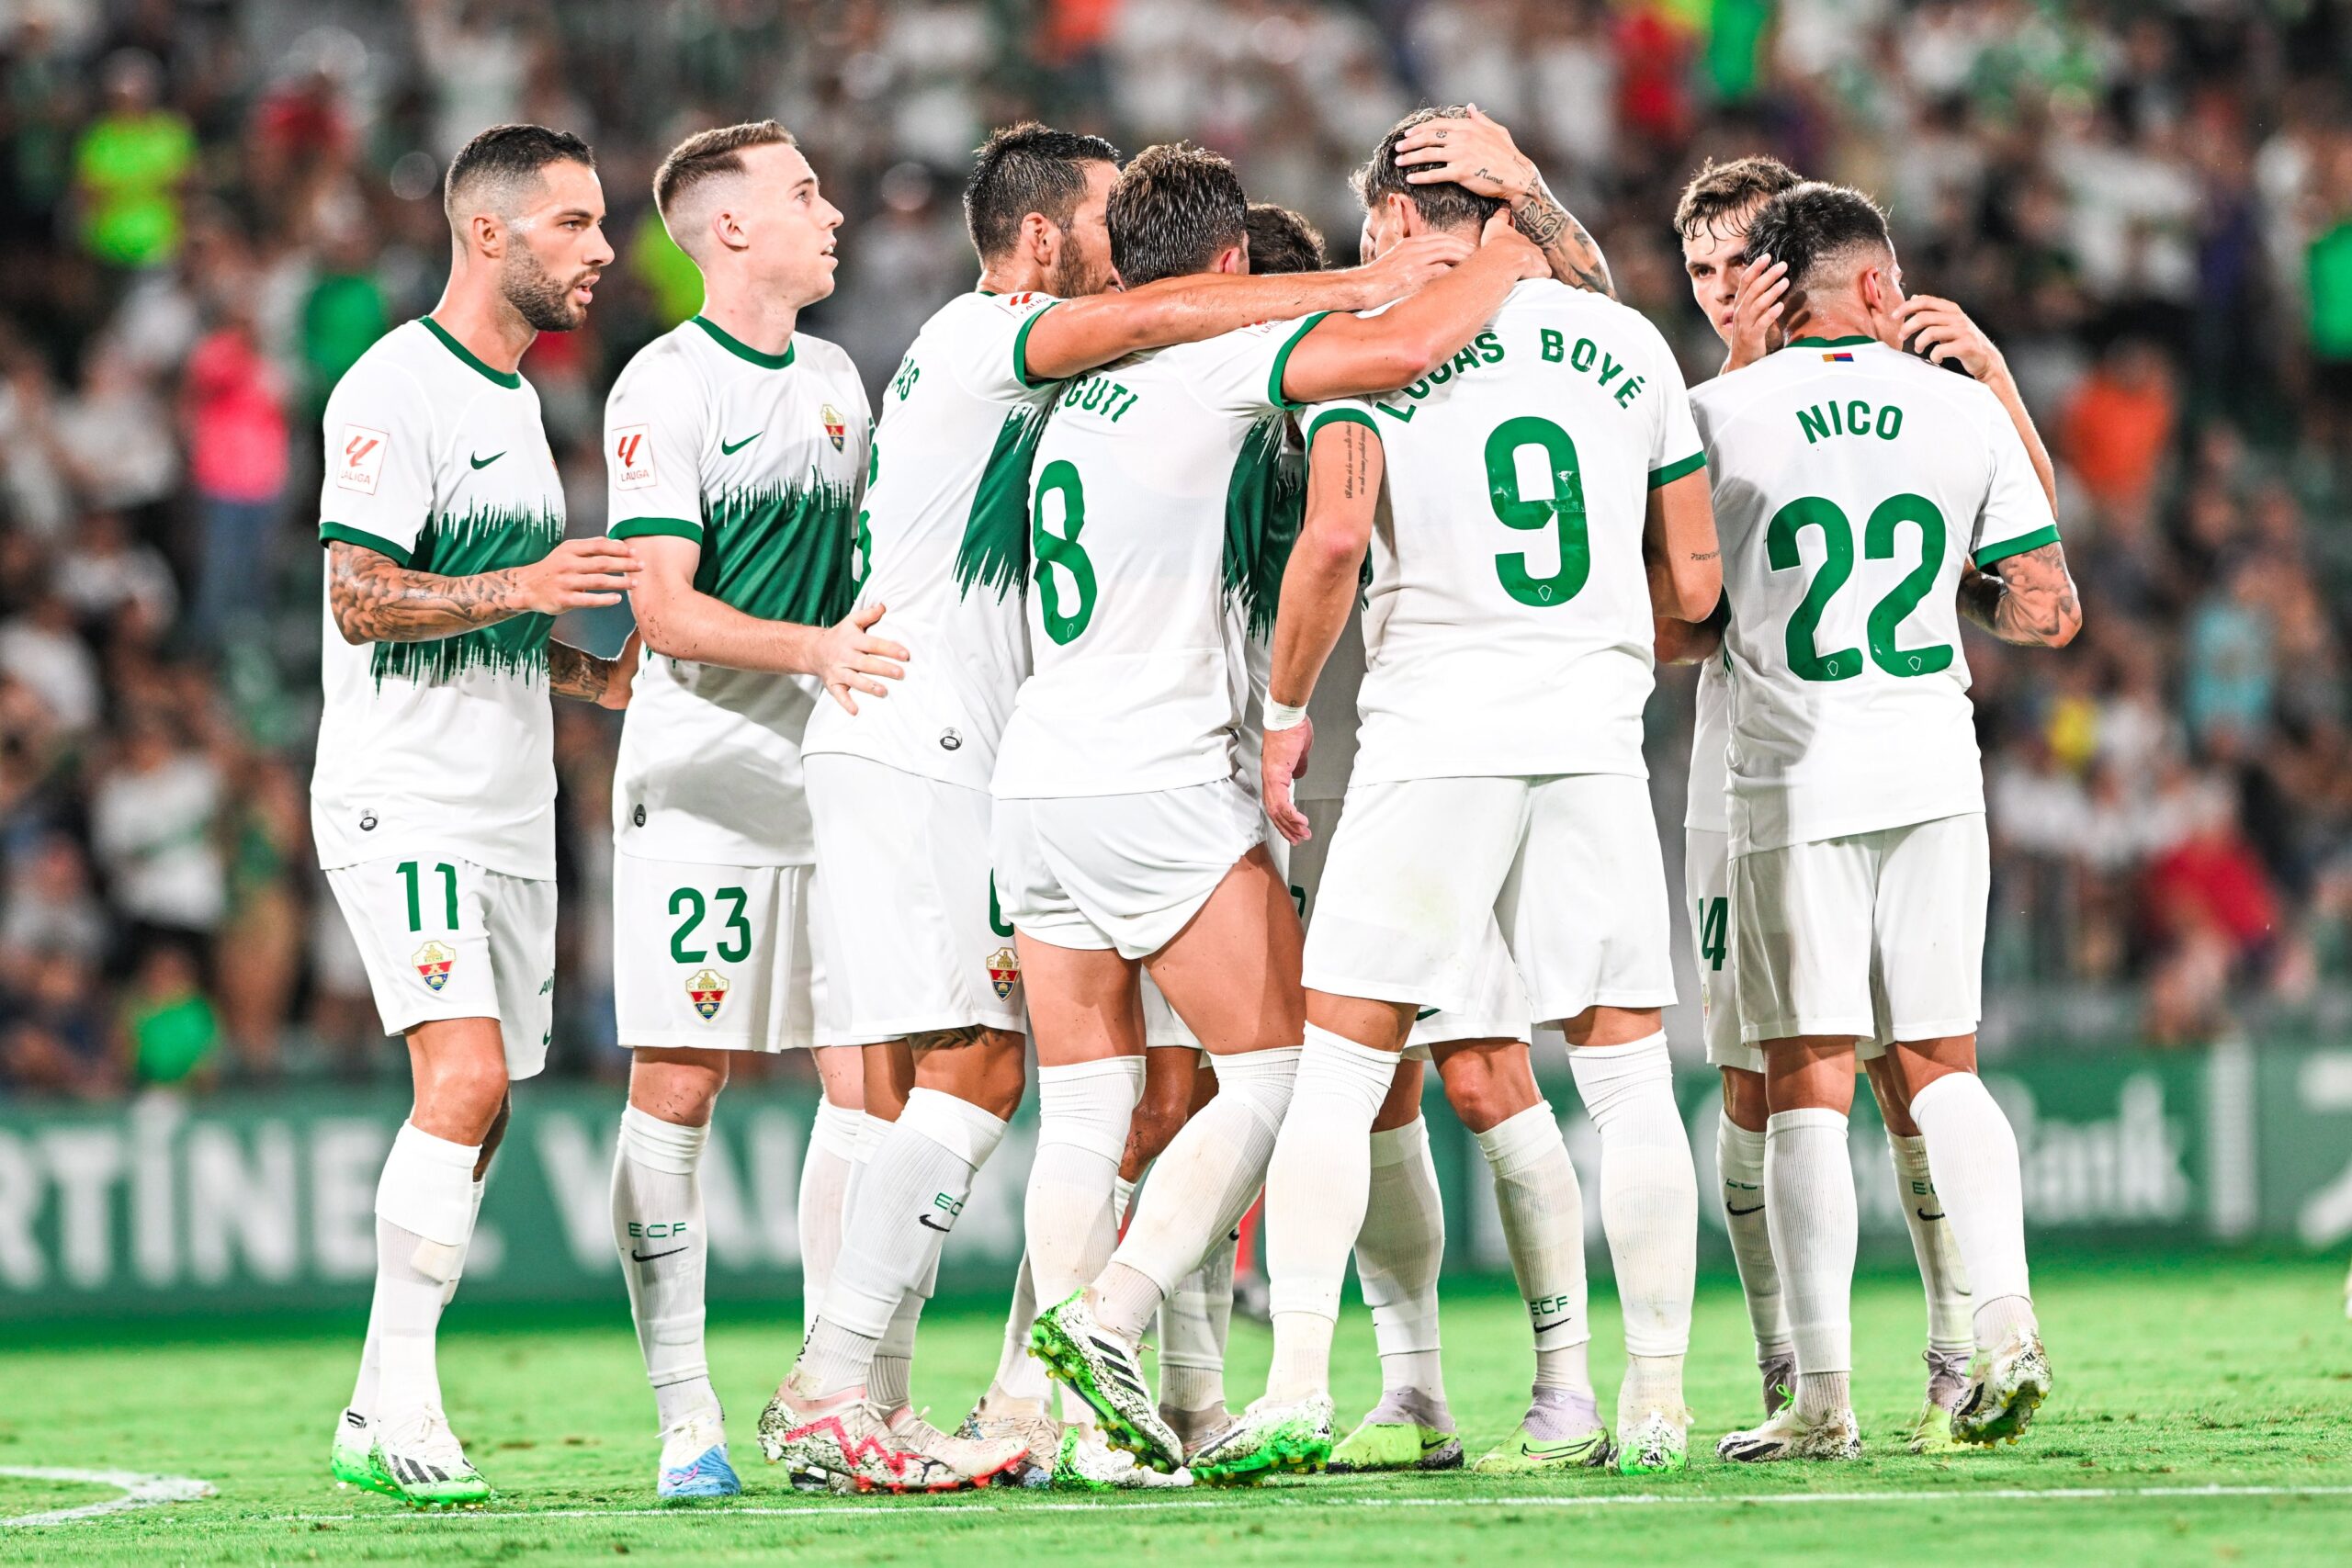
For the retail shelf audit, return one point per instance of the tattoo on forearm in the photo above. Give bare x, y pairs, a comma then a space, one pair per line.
1705, 554
377, 600
574, 672
1575, 258
2027, 598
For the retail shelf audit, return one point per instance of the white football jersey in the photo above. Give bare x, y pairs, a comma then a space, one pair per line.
1147, 509
760, 459
440, 462
1852, 481
1709, 807
945, 538
1506, 630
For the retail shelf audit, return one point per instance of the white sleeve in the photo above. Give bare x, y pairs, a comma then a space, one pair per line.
2016, 516
1340, 410
377, 491
1675, 448
991, 354
1245, 375
655, 423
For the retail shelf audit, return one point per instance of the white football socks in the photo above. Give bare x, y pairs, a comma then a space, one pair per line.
665, 1252
824, 1183
1940, 1271
1084, 1112
371, 1353
1018, 1374
1543, 1215
1809, 1202
1739, 1169
1319, 1185
1649, 1209
1200, 1186
424, 1214
914, 1185
1976, 1155
1193, 1322
1398, 1252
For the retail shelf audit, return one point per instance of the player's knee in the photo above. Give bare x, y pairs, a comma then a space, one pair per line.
1744, 1100
1155, 1126
1487, 1089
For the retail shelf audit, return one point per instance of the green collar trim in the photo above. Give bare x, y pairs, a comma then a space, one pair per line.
1830, 341
506, 379
742, 350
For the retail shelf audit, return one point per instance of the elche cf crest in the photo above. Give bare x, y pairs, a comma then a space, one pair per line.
708, 992
433, 961
836, 429
1004, 972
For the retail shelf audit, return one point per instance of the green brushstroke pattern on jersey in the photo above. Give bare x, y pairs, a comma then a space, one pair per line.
995, 551
483, 540
1265, 501
781, 551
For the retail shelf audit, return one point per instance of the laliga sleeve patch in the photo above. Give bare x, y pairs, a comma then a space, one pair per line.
629, 448
359, 458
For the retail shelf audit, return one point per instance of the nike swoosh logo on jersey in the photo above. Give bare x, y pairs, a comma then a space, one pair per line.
485, 462
925, 1220
636, 1256
1729, 1210
729, 448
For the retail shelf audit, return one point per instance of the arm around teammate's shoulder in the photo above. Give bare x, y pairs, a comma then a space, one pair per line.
1076, 335
1347, 357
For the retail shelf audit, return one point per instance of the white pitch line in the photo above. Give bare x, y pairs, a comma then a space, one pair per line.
1620, 1500
138, 1492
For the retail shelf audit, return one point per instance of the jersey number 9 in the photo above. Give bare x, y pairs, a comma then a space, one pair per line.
1564, 509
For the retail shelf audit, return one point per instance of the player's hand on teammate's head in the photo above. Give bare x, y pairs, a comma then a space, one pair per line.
1472, 151
1500, 233
1411, 263
1943, 332
1757, 311
851, 659
1282, 762
578, 574
624, 671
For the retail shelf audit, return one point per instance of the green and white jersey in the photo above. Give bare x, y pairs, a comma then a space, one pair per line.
1147, 509
1506, 630
439, 462
945, 542
1852, 482
759, 458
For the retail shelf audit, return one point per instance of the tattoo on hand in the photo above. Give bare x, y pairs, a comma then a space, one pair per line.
573, 673
377, 600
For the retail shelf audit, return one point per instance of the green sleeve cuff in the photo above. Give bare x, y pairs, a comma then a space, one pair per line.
639, 528
2017, 546
1281, 361
1674, 471
344, 534
1020, 352
1340, 416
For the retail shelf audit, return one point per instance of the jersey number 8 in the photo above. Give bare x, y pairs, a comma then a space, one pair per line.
1063, 624
1564, 509
1806, 657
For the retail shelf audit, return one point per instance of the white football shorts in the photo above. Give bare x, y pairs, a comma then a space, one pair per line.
444, 938
913, 933
1421, 871
714, 957
1123, 872
1706, 889
1877, 935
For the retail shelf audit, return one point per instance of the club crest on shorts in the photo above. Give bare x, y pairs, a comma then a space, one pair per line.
433, 961
708, 992
1004, 972
836, 430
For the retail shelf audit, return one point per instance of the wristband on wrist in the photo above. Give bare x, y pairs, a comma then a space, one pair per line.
1282, 716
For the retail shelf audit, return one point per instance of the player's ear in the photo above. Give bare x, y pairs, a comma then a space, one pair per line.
1041, 240
1403, 215
487, 234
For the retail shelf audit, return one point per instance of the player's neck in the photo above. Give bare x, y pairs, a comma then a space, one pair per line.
761, 323
1834, 321
480, 319
1014, 277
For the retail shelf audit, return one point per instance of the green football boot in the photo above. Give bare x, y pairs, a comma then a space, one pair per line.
352, 1459
1103, 1369
1562, 1431
427, 1467
2005, 1386
1268, 1438
1406, 1430
1947, 1384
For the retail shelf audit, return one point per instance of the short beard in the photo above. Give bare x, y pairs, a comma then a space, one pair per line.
1071, 278
538, 298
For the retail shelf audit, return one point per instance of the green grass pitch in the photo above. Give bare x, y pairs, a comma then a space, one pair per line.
2203, 1415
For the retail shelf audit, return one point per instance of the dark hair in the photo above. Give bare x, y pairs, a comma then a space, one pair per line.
707, 154
1811, 225
1173, 210
508, 155
1720, 190
1443, 206
1282, 241
1023, 169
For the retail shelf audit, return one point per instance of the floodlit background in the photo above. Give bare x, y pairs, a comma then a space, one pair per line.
207, 210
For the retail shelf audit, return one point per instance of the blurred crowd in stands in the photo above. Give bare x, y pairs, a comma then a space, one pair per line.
209, 209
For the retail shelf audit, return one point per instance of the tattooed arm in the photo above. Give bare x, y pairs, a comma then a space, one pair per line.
2027, 598
1477, 154
374, 599
1680, 552
1344, 466
579, 675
